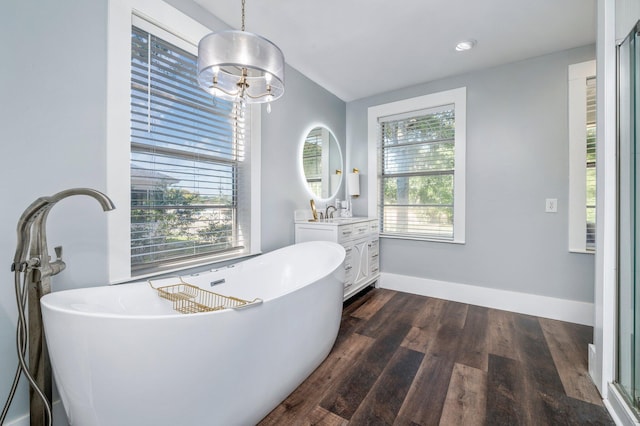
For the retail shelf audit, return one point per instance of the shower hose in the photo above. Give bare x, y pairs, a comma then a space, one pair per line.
22, 337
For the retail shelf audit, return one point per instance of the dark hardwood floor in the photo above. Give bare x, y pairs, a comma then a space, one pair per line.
402, 359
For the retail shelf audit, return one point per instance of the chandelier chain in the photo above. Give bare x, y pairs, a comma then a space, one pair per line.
243, 1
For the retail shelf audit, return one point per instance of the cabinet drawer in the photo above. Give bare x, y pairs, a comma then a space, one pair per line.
360, 229
315, 232
374, 247
345, 232
374, 270
348, 253
373, 226
348, 273
374, 257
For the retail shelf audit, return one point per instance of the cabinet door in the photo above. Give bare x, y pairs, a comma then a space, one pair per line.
361, 252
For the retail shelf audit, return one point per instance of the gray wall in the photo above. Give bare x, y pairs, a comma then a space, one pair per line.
303, 104
52, 137
517, 155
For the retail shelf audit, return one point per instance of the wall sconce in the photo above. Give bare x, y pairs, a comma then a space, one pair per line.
353, 183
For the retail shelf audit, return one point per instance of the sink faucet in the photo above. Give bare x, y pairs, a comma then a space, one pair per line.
326, 212
33, 261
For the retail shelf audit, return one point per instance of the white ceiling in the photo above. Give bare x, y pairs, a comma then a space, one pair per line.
358, 48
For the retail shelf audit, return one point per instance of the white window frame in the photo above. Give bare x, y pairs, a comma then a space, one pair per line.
161, 14
577, 101
458, 97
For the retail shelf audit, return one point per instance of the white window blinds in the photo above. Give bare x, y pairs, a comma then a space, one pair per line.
582, 156
417, 173
591, 164
189, 161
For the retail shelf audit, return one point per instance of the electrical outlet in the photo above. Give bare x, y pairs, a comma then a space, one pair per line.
551, 205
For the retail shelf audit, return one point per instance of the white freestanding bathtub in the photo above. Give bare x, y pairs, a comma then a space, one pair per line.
122, 356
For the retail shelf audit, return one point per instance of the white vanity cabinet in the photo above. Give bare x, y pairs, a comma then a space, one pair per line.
359, 237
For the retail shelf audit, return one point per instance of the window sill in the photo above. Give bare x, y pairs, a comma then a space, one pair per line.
582, 251
425, 239
189, 268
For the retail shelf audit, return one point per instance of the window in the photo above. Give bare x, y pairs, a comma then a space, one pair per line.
185, 181
582, 157
186, 152
421, 162
312, 160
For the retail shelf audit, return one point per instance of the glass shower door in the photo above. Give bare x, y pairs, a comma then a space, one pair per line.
628, 364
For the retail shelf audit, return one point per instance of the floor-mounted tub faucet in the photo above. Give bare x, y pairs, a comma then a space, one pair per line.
33, 262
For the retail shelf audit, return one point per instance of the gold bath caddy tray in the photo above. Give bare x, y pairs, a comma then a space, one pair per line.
189, 299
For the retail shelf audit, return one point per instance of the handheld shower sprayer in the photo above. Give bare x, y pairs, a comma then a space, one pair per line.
33, 269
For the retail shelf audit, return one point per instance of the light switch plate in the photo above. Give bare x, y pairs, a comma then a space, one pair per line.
551, 205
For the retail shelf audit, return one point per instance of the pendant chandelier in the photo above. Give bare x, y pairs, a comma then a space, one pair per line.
240, 66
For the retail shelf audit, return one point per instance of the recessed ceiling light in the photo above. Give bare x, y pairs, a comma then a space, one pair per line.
465, 45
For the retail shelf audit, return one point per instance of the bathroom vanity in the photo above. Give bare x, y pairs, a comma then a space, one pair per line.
360, 238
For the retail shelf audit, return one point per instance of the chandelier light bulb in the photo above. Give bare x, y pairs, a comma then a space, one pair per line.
466, 45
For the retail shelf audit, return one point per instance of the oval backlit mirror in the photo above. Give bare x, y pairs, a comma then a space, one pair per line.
322, 163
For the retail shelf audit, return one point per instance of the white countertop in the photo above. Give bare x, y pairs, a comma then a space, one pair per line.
337, 221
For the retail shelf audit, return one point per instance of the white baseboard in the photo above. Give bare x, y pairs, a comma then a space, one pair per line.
524, 303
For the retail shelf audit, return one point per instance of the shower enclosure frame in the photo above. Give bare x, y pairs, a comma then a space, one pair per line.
627, 370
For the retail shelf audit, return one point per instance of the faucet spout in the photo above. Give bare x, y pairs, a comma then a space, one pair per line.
104, 201
38, 211
326, 213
